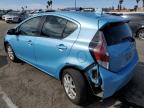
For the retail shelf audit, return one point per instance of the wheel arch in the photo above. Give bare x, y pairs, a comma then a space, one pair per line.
82, 72
72, 67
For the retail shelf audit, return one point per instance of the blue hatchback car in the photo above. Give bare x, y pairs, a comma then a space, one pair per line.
86, 51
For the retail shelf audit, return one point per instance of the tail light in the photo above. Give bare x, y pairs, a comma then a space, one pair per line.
99, 50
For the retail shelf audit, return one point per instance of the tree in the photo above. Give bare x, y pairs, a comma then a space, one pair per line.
137, 2
118, 7
120, 1
22, 8
135, 7
113, 8
49, 4
120, 4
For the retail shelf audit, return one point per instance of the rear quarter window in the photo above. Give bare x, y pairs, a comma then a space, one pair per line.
69, 29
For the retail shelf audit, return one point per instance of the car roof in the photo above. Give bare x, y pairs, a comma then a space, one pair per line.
78, 16
86, 19
89, 17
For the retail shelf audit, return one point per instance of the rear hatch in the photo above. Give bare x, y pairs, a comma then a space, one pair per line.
120, 45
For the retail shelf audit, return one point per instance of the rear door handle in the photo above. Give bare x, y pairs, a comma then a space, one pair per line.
29, 42
61, 47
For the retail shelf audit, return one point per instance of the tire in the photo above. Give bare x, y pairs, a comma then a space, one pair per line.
7, 22
140, 34
19, 20
75, 86
11, 54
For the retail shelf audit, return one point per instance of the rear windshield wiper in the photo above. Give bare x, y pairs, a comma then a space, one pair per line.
131, 39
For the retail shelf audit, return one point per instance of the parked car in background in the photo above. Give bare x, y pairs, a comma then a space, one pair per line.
82, 9
85, 50
14, 17
33, 13
87, 9
50, 11
136, 22
3, 12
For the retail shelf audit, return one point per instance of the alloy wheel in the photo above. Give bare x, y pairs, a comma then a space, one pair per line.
141, 34
10, 52
69, 86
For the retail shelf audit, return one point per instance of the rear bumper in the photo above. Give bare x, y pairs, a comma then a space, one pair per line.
112, 82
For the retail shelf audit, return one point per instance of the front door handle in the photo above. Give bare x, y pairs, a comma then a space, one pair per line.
61, 47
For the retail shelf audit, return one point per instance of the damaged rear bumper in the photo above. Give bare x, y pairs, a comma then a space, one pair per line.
110, 82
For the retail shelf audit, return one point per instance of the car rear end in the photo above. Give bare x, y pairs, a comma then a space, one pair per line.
114, 51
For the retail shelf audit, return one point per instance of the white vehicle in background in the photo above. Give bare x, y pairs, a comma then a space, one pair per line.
14, 17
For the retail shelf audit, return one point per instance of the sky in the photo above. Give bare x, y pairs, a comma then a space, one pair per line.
41, 4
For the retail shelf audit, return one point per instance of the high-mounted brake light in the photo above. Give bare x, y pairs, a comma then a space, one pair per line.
100, 51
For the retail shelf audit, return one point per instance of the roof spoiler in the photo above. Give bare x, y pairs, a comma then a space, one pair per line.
109, 23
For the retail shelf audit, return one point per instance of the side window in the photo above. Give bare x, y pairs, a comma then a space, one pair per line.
53, 27
70, 28
30, 27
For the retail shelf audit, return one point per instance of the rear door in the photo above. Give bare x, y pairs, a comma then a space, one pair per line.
52, 48
121, 45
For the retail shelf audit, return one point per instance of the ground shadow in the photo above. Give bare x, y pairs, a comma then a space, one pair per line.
3, 61
131, 96
127, 96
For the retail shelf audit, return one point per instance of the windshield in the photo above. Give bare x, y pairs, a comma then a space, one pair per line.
116, 33
1, 12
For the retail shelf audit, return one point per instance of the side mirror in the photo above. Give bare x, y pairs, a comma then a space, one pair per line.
13, 32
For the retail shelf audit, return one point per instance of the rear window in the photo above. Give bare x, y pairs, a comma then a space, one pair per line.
116, 32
